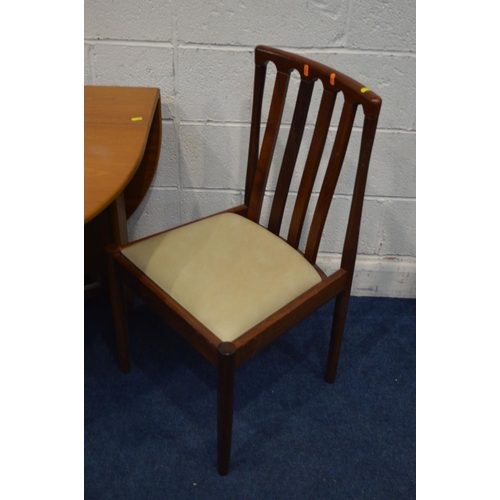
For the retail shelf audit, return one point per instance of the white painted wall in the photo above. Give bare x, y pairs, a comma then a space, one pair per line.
199, 53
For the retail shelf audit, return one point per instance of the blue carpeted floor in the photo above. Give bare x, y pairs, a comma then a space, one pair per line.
151, 434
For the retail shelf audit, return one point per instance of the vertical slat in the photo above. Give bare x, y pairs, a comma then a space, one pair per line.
350, 246
290, 155
253, 150
330, 180
311, 167
354, 224
268, 144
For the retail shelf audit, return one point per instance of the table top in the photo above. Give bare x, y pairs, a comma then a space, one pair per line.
117, 125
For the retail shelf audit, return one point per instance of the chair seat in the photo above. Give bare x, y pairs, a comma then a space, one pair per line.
228, 272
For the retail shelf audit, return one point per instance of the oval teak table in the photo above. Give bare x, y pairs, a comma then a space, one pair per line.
122, 146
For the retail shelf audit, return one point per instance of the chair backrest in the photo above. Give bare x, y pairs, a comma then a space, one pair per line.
259, 161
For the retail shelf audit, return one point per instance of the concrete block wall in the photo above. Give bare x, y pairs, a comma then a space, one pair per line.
200, 54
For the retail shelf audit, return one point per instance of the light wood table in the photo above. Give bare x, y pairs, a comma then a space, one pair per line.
122, 147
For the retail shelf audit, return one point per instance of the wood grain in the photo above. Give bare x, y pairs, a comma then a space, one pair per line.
114, 145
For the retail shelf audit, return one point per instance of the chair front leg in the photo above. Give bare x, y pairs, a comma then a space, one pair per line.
120, 315
339, 318
225, 404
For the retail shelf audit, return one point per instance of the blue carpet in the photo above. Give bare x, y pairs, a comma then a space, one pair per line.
151, 434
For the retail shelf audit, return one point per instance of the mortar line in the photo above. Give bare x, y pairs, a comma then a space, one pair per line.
347, 26
176, 120
400, 259
130, 43
303, 50
247, 48
345, 196
284, 125
91, 56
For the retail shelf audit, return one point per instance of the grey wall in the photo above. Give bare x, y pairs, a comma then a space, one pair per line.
199, 53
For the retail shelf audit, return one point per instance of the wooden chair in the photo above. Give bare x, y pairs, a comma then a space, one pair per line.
229, 286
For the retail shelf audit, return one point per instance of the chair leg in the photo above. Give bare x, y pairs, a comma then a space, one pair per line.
339, 317
225, 404
119, 305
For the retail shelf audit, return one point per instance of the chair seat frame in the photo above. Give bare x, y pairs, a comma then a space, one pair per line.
227, 356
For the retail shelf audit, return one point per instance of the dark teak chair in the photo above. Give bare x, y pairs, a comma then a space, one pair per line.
228, 285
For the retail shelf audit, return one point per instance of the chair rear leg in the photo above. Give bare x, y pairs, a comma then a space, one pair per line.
339, 318
225, 404
120, 316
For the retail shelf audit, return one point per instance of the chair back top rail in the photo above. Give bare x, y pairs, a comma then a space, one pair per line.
353, 91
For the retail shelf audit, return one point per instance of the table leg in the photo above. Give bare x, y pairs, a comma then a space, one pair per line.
118, 220
110, 226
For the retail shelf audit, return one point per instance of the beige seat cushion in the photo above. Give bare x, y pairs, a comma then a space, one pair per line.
227, 271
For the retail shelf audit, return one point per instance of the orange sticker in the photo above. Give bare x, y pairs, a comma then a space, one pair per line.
332, 79
306, 70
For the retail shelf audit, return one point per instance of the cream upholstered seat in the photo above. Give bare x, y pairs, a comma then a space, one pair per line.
228, 272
